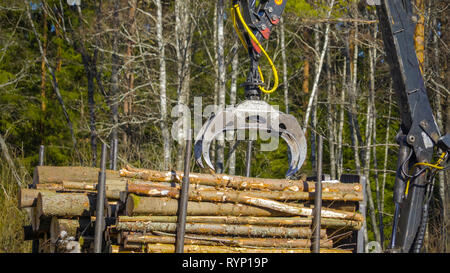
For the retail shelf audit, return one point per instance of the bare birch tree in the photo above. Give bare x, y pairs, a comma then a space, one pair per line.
163, 86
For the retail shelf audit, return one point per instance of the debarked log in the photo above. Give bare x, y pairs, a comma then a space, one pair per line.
56, 175
66, 204
226, 230
220, 241
223, 195
237, 182
138, 205
249, 220
167, 248
121, 249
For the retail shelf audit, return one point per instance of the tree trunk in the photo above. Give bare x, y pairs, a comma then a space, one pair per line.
129, 75
317, 76
54, 83
386, 152
285, 70
162, 87
115, 66
43, 75
419, 35
183, 35
340, 153
353, 112
221, 80
233, 90
89, 63
330, 116
370, 118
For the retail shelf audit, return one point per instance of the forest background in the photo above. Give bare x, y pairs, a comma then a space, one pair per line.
75, 76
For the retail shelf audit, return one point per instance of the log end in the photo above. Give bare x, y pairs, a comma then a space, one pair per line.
132, 202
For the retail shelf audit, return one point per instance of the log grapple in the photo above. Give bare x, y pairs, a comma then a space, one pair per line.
254, 114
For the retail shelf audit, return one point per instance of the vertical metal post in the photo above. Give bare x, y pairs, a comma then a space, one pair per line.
100, 210
318, 200
184, 197
361, 243
41, 155
115, 150
248, 159
113, 154
35, 244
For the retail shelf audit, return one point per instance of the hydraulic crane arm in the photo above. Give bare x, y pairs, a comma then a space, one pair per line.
258, 21
419, 134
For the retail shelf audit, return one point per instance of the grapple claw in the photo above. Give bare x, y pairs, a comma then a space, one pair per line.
253, 115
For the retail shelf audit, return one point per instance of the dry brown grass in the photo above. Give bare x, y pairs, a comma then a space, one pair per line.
12, 219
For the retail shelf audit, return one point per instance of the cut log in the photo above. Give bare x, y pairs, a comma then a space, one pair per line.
66, 205
138, 205
226, 230
121, 249
57, 175
166, 248
28, 197
248, 220
223, 195
49, 186
137, 238
68, 185
237, 182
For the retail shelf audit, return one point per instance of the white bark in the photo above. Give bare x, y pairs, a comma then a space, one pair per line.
285, 71
183, 35
234, 76
221, 79
317, 76
331, 133
353, 106
386, 150
162, 86
340, 155
369, 137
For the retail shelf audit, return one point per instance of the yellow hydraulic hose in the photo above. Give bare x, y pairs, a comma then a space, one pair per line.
434, 166
236, 9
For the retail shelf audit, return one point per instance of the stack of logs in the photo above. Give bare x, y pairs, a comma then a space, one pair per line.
225, 214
